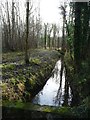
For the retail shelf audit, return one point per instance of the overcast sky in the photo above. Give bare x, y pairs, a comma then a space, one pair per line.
48, 9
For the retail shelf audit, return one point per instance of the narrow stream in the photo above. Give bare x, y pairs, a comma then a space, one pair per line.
49, 94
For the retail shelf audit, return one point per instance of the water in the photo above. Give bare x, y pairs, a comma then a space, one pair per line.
50, 94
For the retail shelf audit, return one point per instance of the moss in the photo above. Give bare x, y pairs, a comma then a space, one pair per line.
13, 81
20, 105
20, 78
41, 73
35, 61
47, 109
65, 112
9, 66
21, 87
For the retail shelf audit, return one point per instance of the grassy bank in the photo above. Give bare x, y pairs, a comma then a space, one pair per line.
20, 81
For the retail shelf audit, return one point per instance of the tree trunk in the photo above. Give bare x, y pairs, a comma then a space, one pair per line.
49, 40
77, 36
45, 37
13, 28
27, 32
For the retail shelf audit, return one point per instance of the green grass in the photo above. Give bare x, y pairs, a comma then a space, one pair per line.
19, 78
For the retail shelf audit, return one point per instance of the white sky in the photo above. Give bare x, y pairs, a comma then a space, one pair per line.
48, 9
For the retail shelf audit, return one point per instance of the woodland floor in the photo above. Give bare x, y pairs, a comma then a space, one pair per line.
21, 81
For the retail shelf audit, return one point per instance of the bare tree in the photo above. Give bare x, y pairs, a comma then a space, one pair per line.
13, 26
18, 34
27, 33
45, 36
50, 28
9, 25
58, 39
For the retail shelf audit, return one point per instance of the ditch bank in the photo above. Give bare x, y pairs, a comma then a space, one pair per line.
22, 82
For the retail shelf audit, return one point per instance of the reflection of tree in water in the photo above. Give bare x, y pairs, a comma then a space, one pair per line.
56, 71
58, 74
63, 96
60, 93
57, 96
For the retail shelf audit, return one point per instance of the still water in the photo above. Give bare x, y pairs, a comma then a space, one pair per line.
49, 94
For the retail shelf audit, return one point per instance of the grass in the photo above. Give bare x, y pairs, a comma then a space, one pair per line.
21, 81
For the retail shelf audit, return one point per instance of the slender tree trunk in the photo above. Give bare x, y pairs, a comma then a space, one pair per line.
58, 41
13, 27
63, 49
49, 40
63, 35
9, 27
27, 32
45, 37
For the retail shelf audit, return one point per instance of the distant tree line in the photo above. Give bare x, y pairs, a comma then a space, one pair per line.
16, 32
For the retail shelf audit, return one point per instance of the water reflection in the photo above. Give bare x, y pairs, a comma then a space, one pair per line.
52, 94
